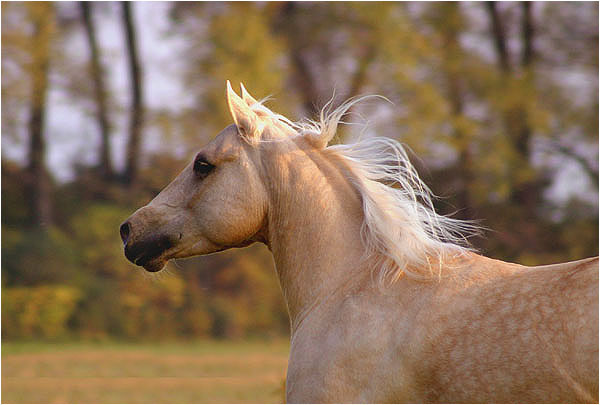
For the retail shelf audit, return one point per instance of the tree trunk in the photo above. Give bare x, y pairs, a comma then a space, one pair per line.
302, 76
465, 160
526, 193
527, 32
499, 36
104, 164
454, 75
38, 179
365, 57
135, 129
303, 79
524, 135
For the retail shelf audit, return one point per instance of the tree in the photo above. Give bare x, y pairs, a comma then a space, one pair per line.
287, 22
39, 188
451, 23
104, 164
525, 194
318, 37
137, 112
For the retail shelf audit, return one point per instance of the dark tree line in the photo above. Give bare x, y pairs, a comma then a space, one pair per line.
39, 183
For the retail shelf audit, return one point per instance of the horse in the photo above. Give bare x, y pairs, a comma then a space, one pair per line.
387, 303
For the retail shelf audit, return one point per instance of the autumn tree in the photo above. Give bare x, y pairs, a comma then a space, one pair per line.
526, 191
137, 110
97, 73
39, 188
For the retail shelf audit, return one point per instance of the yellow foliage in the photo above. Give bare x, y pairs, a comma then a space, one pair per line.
41, 311
243, 50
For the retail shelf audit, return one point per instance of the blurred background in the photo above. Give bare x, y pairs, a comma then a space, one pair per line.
104, 103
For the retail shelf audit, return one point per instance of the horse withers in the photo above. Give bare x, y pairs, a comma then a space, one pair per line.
386, 303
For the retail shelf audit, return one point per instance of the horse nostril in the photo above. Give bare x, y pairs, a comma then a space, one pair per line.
125, 230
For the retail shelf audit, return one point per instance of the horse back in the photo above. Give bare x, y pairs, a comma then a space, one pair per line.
525, 334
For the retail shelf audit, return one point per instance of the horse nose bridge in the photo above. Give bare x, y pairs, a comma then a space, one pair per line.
138, 224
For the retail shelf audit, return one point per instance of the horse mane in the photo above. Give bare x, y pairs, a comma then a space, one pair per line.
401, 228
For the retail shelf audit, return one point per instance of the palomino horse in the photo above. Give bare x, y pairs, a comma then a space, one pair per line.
385, 305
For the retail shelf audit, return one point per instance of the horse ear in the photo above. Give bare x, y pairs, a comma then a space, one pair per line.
247, 97
245, 119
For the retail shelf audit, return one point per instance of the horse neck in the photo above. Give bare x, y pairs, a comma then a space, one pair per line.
314, 223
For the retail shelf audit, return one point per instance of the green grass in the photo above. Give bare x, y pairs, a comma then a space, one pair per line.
205, 371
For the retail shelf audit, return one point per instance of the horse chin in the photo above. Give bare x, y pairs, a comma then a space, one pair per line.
155, 265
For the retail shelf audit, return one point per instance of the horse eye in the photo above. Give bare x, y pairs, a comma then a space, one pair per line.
201, 166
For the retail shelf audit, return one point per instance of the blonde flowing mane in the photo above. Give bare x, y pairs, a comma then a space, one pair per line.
401, 228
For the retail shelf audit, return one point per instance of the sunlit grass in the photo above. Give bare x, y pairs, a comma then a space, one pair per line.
205, 371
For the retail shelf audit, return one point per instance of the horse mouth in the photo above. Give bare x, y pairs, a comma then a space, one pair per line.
151, 264
149, 254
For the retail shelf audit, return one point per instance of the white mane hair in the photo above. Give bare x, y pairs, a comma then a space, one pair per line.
401, 228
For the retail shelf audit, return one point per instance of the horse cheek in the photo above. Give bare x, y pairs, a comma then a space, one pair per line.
233, 222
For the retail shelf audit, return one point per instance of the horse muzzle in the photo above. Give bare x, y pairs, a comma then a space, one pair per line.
144, 248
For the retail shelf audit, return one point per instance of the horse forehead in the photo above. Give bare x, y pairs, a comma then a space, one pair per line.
226, 144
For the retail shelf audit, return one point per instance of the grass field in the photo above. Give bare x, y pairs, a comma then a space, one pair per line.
207, 371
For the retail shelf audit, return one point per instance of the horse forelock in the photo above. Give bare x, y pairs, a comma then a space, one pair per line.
400, 228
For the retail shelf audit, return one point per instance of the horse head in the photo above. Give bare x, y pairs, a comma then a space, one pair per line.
217, 202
